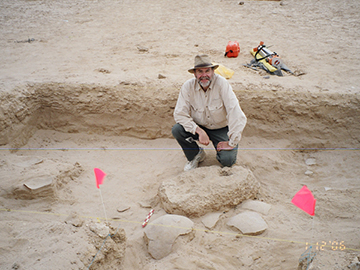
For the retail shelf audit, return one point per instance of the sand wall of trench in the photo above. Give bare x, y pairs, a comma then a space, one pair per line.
308, 120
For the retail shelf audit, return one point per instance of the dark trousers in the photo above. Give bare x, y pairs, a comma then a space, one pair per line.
191, 149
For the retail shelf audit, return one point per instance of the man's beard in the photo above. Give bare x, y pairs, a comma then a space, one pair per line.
204, 84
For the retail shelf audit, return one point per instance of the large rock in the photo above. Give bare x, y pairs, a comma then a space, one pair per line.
161, 234
207, 189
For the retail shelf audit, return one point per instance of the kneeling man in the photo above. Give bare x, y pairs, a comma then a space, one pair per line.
208, 110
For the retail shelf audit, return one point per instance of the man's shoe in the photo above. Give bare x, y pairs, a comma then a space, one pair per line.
195, 162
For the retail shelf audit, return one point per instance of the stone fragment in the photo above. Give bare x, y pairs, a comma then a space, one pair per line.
250, 223
122, 208
256, 206
160, 76
207, 189
103, 70
308, 172
145, 204
310, 161
38, 183
210, 219
142, 49
161, 234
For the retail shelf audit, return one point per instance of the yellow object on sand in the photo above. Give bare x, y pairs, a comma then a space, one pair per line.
263, 61
224, 71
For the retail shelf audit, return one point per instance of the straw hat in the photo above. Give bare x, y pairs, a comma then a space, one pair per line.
202, 61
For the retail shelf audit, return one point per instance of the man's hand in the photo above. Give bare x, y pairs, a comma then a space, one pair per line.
224, 146
203, 137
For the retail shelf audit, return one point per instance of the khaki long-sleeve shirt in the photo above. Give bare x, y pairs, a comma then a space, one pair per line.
216, 108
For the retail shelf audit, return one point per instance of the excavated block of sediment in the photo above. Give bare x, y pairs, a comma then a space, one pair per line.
208, 189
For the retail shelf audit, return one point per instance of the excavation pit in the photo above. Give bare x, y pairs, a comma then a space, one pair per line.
63, 131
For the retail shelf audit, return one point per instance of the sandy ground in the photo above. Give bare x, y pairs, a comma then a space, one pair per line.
80, 89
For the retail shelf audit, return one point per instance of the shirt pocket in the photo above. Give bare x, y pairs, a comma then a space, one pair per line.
198, 114
217, 111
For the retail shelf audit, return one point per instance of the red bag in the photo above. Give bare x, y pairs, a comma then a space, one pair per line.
232, 49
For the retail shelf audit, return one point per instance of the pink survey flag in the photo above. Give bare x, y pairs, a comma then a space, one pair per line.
305, 200
99, 175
